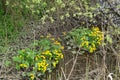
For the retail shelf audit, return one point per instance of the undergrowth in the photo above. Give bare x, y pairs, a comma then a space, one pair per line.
72, 22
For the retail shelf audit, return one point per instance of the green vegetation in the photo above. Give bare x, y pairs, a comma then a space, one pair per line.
63, 10
33, 32
15, 14
84, 38
44, 56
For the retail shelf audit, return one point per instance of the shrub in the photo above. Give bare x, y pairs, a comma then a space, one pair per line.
44, 57
26, 8
14, 14
84, 38
62, 10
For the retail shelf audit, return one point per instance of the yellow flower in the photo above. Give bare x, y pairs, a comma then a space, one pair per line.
92, 49
36, 58
83, 38
54, 64
61, 56
86, 43
95, 29
39, 56
93, 44
20, 56
56, 51
82, 44
42, 56
98, 43
32, 76
47, 52
93, 34
53, 39
57, 43
23, 65
42, 66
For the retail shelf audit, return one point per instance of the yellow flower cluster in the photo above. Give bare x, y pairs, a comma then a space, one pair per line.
47, 57
42, 66
85, 43
98, 37
58, 55
96, 29
39, 57
23, 65
47, 53
52, 55
32, 76
98, 34
91, 40
88, 45
57, 43
53, 39
55, 63
92, 48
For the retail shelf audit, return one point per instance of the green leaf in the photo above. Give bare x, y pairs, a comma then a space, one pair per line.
7, 63
16, 59
109, 39
24, 74
103, 44
17, 67
47, 48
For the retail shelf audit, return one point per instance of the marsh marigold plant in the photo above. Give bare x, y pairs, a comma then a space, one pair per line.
84, 38
44, 57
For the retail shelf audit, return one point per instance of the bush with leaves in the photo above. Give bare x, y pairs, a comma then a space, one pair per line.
26, 8
84, 39
45, 55
14, 14
63, 10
